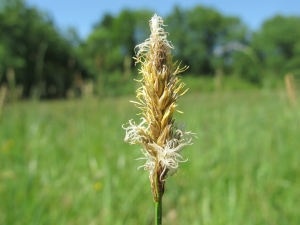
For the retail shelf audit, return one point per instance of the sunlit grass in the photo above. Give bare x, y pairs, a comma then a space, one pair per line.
65, 162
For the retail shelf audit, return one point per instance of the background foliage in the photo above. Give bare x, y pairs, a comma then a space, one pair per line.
49, 62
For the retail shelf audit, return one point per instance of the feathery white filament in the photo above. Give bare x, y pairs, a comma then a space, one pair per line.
134, 133
168, 156
157, 32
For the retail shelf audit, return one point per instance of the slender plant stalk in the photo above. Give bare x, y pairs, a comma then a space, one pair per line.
158, 204
158, 211
161, 138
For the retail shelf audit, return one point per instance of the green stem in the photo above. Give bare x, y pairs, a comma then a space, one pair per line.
158, 204
158, 210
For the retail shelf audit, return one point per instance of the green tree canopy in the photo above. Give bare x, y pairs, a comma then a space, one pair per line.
114, 38
34, 48
43, 56
196, 32
278, 44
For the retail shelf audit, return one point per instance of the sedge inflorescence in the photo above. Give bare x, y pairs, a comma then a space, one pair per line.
162, 139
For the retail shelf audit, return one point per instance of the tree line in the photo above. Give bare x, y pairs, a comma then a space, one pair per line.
47, 62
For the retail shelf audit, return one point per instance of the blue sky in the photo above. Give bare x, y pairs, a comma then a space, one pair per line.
82, 14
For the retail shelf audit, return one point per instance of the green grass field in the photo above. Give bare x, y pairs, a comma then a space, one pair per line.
65, 163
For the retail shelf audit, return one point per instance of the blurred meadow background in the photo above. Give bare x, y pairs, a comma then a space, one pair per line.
64, 98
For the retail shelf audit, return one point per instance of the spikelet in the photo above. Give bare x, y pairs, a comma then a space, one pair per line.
161, 138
